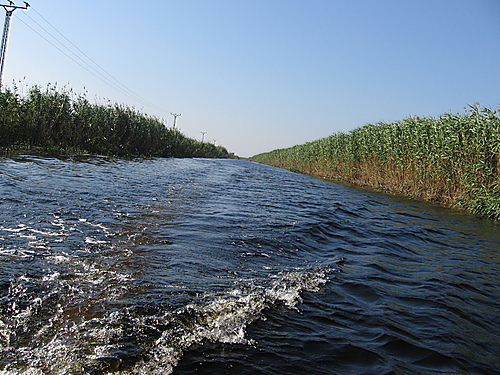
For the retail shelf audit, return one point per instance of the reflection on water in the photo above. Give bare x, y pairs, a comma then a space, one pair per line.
227, 266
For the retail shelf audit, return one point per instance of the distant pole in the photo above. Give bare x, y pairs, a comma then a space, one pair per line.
9, 10
175, 117
203, 136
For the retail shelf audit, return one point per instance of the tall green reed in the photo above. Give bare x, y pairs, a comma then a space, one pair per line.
59, 119
453, 159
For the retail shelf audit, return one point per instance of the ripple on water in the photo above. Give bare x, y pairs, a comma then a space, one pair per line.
211, 266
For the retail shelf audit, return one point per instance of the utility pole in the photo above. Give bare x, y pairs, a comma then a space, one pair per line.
175, 117
203, 136
9, 10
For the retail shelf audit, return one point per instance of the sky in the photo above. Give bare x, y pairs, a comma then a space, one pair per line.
258, 75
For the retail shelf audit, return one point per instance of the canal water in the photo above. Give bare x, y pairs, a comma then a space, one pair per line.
182, 266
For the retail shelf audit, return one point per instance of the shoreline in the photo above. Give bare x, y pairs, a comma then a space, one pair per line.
444, 203
453, 160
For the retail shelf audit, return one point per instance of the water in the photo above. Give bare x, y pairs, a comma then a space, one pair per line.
229, 267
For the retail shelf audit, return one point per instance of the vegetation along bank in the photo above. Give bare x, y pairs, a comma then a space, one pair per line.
58, 120
453, 160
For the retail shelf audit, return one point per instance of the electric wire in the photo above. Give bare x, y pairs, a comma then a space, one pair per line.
85, 55
74, 60
62, 45
89, 68
98, 72
104, 73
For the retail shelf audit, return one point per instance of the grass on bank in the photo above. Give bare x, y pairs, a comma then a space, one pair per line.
59, 120
453, 160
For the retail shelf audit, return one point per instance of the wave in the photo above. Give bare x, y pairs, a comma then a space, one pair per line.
149, 338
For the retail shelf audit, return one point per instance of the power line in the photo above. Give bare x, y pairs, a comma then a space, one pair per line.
110, 79
63, 46
79, 50
74, 60
88, 67
85, 62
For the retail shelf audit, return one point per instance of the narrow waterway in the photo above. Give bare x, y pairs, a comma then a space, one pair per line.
230, 267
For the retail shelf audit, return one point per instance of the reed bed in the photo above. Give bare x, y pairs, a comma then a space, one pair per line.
453, 160
60, 120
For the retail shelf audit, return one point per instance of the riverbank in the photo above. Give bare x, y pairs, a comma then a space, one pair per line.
53, 119
453, 160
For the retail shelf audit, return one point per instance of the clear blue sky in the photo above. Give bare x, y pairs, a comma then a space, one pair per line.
257, 75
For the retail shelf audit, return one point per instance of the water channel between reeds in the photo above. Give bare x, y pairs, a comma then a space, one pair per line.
197, 266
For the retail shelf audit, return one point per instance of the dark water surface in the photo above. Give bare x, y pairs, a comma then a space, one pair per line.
230, 267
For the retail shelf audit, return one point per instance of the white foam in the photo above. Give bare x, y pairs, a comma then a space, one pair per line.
51, 277
94, 241
222, 317
226, 317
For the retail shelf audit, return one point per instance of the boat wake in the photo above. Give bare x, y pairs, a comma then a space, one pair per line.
143, 339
